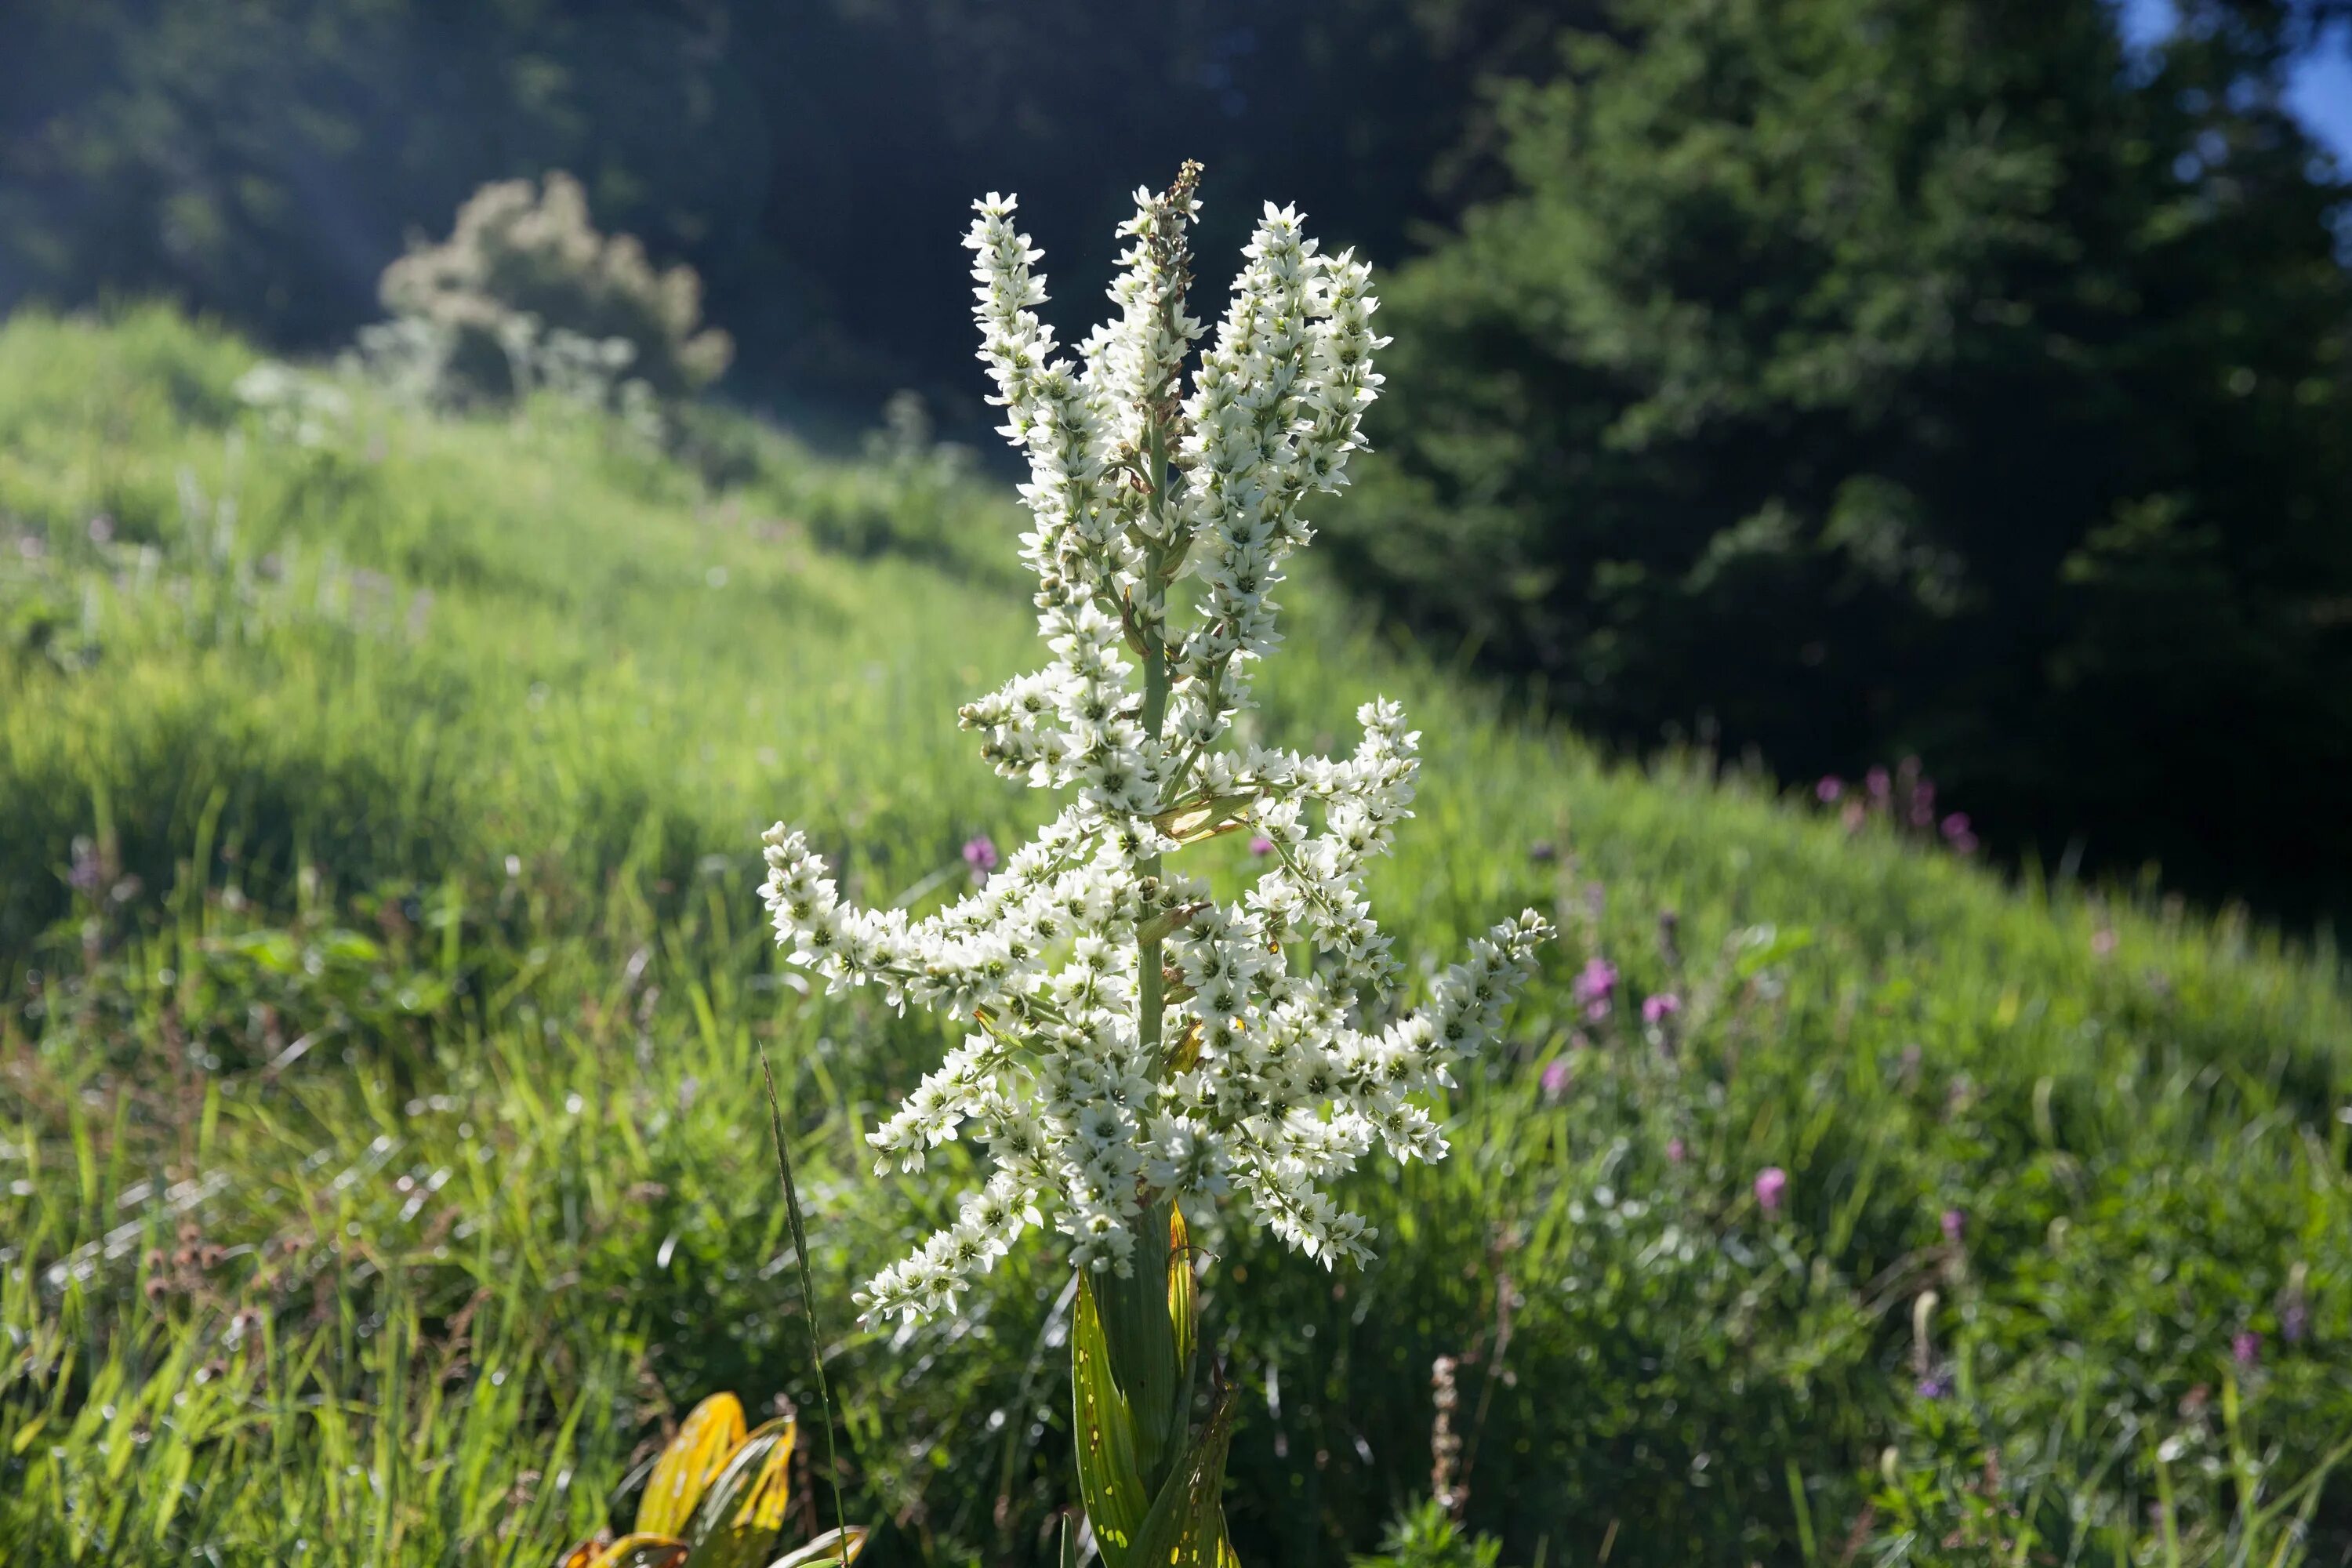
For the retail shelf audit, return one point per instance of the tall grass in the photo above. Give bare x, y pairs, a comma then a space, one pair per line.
383, 1157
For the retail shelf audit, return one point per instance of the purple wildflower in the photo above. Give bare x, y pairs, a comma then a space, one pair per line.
1594, 986
1829, 789
1261, 845
1555, 1078
980, 853
1955, 1224
2295, 1320
2246, 1347
1877, 783
1543, 850
1674, 1151
1771, 1187
1935, 1386
1660, 1006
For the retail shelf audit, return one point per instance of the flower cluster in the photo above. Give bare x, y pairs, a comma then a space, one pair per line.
1905, 798
1135, 1040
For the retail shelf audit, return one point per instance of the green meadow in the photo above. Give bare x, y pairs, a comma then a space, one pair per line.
384, 1168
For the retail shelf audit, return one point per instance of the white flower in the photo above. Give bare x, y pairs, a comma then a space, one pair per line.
1135, 1040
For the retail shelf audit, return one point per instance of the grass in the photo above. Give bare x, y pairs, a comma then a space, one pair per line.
384, 1159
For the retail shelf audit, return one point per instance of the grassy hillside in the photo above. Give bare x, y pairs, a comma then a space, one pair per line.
381, 1165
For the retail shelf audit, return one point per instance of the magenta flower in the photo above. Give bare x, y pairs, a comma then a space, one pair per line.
1955, 1223
1934, 1387
2245, 1347
1877, 783
1771, 1187
980, 853
1555, 1078
1660, 1006
1674, 1151
1829, 789
1261, 845
1595, 984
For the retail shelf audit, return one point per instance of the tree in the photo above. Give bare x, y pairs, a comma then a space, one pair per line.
266, 160
1885, 375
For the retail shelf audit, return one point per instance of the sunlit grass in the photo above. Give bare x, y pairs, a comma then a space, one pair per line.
382, 1159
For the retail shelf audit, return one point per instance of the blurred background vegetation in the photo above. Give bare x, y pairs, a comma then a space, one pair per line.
1844, 379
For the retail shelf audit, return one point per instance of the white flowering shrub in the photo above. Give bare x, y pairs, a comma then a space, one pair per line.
526, 292
1134, 1040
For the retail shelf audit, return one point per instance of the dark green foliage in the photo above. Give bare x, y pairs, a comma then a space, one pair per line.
265, 160
1426, 1538
1864, 376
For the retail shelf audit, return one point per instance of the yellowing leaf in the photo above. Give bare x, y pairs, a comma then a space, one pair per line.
743, 1509
770, 1490
1186, 1526
712, 1432
1110, 1483
584, 1554
642, 1549
1186, 1052
1206, 820
1183, 1291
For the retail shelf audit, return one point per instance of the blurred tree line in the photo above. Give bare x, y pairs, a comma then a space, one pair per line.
1839, 378
814, 161
1871, 377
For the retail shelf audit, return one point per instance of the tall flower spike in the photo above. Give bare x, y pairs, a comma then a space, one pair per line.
1134, 1040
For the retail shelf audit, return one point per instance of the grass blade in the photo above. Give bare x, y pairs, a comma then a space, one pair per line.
808, 1299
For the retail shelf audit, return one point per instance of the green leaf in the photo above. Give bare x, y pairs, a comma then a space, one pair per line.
1186, 1526
1110, 1482
1145, 1363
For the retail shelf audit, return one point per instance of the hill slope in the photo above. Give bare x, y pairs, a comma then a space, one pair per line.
380, 1158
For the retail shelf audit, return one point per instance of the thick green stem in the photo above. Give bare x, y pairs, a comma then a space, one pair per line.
1147, 1318
1155, 719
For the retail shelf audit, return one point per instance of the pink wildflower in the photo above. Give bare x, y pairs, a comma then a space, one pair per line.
1595, 984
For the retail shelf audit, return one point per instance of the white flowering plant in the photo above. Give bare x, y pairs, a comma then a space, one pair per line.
1136, 1043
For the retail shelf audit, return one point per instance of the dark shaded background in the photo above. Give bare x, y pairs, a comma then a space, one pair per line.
816, 162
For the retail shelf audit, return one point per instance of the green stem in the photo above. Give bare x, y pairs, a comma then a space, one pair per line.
808, 1304
1155, 719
